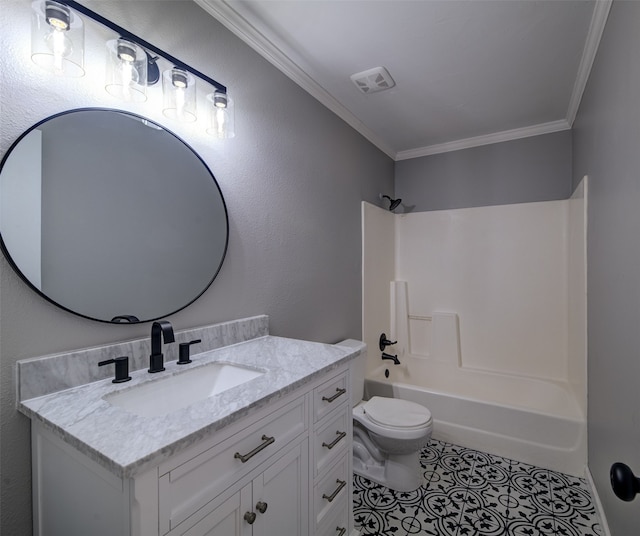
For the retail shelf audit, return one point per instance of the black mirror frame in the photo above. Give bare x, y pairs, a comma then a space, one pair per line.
115, 320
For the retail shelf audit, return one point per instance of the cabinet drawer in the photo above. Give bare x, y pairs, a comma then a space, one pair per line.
194, 483
331, 493
331, 439
335, 526
329, 396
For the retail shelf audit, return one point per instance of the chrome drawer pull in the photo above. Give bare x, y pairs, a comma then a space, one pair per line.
342, 531
339, 392
335, 441
246, 457
330, 498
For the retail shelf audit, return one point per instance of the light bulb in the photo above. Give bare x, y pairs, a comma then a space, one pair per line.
126, 70
57, 38
60, 45
179, 95
220, 122
128, 76
180, 82
222, 115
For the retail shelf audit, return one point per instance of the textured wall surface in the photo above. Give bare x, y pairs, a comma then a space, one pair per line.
606, 141
519, 171
293, 180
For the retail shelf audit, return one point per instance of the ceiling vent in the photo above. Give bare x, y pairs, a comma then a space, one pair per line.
376, 79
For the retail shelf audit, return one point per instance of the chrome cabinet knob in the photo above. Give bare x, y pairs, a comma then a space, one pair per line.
250, 517
261, 507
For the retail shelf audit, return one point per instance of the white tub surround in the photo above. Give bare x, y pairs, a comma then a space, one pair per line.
147, 459
533, 421
488, 308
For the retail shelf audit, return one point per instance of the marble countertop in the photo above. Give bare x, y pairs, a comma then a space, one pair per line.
128, 444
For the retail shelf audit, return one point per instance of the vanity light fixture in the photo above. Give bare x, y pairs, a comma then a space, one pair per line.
126, 72
179, 95
57, 41
222, 115
57, 38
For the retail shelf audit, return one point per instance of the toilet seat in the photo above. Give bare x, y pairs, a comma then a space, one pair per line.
397, 413
394, 418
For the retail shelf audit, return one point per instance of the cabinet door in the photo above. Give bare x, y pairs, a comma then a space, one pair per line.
227, 518
281, 496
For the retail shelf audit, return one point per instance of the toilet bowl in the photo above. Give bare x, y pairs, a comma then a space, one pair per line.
388, 433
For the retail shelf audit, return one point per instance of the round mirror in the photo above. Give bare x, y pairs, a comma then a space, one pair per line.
110, 216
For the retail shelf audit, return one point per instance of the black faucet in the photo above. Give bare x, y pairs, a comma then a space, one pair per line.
393, 358
161, 329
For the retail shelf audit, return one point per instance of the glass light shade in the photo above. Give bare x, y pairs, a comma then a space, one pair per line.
221, 112
179, 95
126, 76
57, 38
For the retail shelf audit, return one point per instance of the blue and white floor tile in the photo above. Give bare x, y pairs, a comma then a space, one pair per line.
471, 493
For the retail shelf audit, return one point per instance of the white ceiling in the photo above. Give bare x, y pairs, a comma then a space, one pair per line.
467, 72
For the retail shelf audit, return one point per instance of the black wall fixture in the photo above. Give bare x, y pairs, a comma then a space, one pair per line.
57, 45
625, 484
138, 40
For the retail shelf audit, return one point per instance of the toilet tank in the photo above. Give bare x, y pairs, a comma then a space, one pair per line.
357, 370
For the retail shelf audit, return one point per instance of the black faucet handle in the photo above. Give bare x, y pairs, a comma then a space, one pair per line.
122, 368
183, 351
384, 342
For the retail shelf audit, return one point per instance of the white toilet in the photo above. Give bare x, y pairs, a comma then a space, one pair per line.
388, 434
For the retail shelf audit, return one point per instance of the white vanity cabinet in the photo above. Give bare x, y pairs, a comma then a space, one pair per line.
275, 502
281, 470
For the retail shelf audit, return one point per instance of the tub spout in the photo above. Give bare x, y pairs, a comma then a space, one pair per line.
393, 358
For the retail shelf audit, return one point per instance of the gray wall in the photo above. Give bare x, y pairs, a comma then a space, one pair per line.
606, 148
519, 171
293, 180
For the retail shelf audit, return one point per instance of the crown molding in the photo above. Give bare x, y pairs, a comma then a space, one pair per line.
224, 12
237, 24
487, 139
596, 28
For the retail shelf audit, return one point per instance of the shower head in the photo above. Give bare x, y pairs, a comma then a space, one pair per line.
394, 202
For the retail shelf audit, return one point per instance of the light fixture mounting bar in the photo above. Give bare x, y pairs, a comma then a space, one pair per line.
141, 42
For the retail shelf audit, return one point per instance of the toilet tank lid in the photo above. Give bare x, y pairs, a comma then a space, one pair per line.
396, 413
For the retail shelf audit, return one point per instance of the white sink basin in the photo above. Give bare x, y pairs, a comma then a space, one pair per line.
160, 397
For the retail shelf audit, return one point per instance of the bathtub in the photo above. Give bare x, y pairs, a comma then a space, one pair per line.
526, 419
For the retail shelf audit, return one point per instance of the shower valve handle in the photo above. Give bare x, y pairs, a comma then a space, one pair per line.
384, 342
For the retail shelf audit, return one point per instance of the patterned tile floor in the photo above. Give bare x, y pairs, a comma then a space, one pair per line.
469, 493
